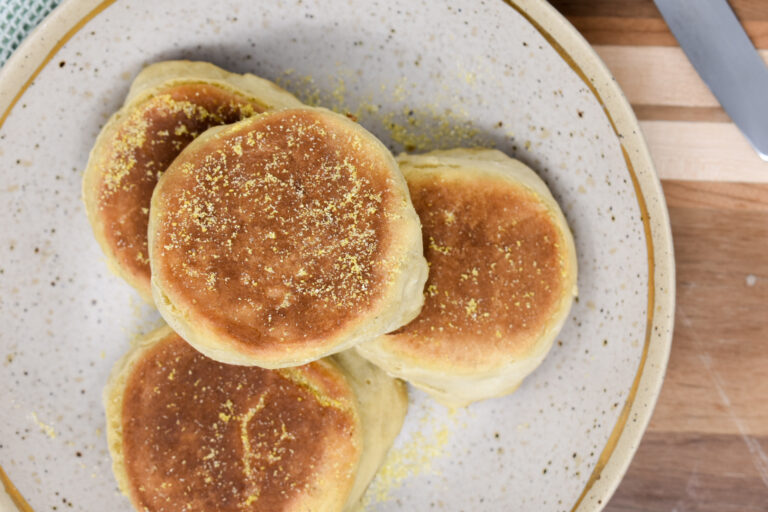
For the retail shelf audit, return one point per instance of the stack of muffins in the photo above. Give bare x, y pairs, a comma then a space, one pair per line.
302, 270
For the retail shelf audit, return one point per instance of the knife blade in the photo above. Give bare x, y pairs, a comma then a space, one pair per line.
722, 54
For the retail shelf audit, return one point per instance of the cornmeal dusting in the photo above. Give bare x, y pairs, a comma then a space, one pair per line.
419, 455
232, 438
439, 123
47, 429
139, 149
278, 228
495, 269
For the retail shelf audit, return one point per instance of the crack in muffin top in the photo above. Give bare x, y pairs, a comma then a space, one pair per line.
202, 435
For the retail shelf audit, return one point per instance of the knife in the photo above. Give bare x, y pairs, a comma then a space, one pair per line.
715, 42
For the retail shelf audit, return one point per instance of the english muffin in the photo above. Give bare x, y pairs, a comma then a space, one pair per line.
189, 433
168, 105
501, 282
284, 238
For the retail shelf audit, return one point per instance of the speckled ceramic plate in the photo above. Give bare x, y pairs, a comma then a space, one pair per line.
420, 75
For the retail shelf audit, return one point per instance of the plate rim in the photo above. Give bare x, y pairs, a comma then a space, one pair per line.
66, 20
626, 435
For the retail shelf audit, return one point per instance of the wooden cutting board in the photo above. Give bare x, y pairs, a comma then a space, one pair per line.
706, 448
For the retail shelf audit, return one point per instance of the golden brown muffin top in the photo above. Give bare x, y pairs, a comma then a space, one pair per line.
496, 270
144, 142
202, 435
276, 232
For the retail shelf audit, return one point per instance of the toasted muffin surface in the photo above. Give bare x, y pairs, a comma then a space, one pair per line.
189, 433
495, 270
275, 240
502, 277
170, 104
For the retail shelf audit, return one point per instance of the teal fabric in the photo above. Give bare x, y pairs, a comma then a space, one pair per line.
17, 19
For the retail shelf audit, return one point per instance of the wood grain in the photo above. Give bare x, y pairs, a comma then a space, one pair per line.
690, 136
718, 196
638, 22
691, 472
685, 150
651, 75
706, 446
678, 113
